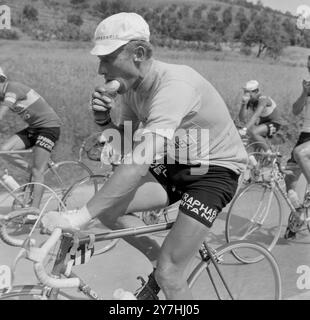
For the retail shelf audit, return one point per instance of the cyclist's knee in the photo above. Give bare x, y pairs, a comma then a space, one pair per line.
169, 277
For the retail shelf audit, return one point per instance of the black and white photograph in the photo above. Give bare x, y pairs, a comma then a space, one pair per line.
155, 150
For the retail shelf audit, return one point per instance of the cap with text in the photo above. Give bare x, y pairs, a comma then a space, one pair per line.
117, 30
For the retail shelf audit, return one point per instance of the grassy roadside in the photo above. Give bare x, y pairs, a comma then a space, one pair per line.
65, 75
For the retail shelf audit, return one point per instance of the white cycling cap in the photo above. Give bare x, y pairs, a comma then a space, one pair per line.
117, 30
251, 85
2, 74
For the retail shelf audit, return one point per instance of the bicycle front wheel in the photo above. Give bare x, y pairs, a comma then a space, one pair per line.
62, 175
255, 215
29, 292
259, 281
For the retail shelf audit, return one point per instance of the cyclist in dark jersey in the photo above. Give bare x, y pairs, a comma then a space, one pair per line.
41, 133
265, 120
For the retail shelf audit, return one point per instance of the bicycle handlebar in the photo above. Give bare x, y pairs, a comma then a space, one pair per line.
11, 241
37, 255
15, 242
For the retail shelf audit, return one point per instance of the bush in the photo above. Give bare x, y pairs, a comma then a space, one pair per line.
68, 32
77, 1
75, 19
246, 50
30, 13
9, 34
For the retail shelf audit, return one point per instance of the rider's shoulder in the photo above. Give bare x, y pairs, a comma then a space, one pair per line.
265, 99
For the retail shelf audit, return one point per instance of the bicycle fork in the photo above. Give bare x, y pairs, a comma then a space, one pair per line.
208, 254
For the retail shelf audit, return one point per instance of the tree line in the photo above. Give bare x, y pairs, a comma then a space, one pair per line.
252, 25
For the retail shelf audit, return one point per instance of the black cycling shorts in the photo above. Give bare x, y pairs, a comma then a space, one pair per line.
202, 196
40, 137
303, 137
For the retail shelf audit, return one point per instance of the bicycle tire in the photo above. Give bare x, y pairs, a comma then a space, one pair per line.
255, 215
62, 175
237, 276
75, 198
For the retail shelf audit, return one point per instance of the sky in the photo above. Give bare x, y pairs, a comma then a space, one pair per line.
284, 5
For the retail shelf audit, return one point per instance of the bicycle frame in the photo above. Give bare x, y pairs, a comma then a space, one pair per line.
71, 244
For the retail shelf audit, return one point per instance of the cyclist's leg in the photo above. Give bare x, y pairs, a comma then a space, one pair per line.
44, 144
292, 179
16, 142
302, 157
257, 134
203, 199
179, 248
149, 195
40, 160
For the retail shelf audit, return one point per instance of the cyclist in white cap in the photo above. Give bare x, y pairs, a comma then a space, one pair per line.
264, 120
41, 133
187, 149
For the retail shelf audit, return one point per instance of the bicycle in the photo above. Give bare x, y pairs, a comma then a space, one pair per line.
17, 220
255, 213
59, 176
224, 273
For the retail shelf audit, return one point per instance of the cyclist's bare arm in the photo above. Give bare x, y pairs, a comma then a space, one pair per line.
10, 99
243, 113
256, 114
131, 171
300, 103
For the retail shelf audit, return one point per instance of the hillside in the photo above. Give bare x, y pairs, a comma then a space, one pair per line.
56, 11
194, 24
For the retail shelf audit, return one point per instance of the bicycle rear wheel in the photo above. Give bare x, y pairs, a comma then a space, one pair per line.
259, 281
78, 195
254, 215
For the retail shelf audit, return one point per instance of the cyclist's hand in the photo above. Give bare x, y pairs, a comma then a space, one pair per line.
101, 101
245, 99
55, 219
306, 86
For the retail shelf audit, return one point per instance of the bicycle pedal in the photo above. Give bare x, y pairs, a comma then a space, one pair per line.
289, 234
295, 221
148, 290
